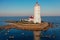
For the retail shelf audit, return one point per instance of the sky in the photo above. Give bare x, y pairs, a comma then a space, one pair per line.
26, 7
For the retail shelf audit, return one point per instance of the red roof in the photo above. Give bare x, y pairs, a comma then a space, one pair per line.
31, 17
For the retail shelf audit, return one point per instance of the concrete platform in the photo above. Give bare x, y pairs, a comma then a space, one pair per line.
29, 27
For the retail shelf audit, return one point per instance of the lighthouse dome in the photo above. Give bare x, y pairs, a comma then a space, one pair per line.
37, 4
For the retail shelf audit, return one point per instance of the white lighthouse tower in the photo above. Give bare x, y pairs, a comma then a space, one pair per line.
37, 17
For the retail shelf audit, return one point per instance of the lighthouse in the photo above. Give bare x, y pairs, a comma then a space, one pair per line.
37, 17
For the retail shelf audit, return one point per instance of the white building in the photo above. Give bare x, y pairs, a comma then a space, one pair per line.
37, 17
31, 19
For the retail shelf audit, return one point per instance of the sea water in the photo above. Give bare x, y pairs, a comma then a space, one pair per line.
14, 34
